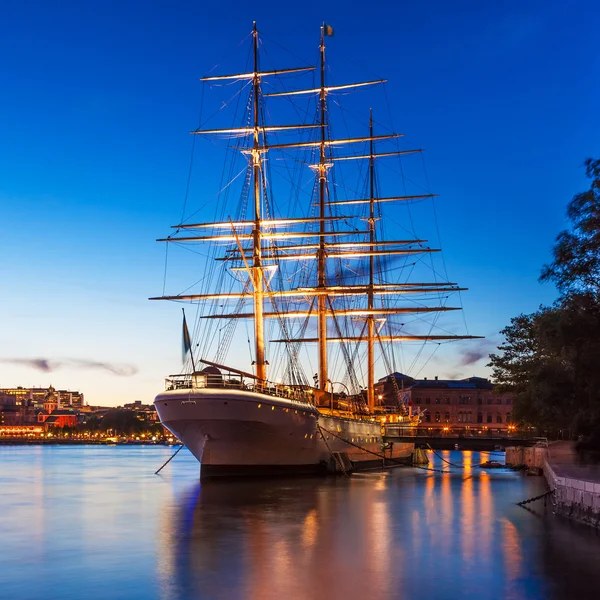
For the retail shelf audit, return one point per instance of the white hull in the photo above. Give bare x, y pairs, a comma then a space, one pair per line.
234, 432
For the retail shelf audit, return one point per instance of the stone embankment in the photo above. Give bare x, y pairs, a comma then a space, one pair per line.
576, 485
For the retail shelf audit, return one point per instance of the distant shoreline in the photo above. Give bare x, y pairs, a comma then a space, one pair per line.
66, 442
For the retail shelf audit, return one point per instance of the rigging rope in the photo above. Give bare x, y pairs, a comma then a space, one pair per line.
219, 337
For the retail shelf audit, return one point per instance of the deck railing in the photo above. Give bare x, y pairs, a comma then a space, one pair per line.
303, 395
228, 381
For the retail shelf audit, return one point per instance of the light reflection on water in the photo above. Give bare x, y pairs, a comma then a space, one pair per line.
95, 522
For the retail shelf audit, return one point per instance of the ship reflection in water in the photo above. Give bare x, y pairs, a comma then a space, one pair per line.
401, 534
96, 523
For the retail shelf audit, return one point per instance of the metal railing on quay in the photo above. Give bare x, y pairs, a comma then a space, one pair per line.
421, 431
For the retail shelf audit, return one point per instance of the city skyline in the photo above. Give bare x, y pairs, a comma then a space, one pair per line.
96, 153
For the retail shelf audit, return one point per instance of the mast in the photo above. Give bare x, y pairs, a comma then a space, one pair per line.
321, 280
370, 295
257, 273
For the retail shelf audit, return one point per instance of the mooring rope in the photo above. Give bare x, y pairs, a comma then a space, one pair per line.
340, 462
170, 459
443, 459
524, 502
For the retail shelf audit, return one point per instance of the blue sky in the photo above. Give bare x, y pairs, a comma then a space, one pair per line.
97, 102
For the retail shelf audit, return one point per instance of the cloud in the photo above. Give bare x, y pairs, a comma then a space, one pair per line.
471, 357
47, 365
40, 364
454, 375
477, 350
115, 368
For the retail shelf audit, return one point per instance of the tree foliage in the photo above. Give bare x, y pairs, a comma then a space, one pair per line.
551, 358
576, 264
121, 421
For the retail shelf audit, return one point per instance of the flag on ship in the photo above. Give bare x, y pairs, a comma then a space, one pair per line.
327, 29
186, 340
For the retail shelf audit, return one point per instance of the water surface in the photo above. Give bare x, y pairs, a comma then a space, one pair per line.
95, 522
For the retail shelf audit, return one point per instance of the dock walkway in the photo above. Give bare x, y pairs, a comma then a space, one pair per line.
565, 463
576, 484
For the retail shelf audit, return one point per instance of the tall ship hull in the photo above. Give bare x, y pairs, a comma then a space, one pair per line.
240, 433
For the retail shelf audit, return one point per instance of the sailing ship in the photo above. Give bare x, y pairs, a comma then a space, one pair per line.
291, 266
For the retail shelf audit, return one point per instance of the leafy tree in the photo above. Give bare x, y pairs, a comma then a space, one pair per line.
576, 336
92, 424
530, 367
576, 265
551, 358
121, 421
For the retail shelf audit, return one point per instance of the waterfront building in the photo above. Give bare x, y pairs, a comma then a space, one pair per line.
144, 412
59, 417
21, 405
51, 400
9, 411
20, 430
450, 404
37, 396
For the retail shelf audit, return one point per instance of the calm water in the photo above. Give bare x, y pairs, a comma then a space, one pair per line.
96, 523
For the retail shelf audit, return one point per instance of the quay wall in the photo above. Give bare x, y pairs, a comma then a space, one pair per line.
576, 486
574, 498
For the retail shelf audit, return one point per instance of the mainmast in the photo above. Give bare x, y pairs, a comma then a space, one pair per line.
371, 295
321, 279
257, 272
